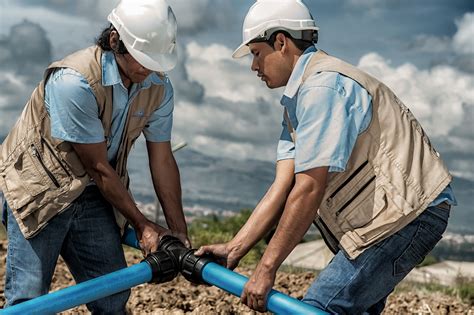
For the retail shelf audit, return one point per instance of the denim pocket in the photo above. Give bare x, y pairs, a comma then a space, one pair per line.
420, 245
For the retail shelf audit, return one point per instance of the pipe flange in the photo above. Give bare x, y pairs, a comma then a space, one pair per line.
164, 267
189, 265
192, 266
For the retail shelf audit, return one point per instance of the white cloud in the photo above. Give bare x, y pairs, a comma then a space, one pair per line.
238, 116
436, 96
460, 45
463, 40
442, 99
213, 67
24, 53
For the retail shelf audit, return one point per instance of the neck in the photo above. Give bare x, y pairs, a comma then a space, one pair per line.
126, 81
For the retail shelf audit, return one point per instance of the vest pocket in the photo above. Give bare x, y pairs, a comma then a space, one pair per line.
349, 191
34, 170
69, 158
24, 179
37, 155
381, 216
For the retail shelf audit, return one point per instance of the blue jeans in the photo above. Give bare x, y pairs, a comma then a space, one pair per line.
361, 286
85, 235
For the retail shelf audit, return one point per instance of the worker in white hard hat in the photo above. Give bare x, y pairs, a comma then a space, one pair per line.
63, 166
351, 158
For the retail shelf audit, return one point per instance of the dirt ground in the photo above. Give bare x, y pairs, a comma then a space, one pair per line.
181, 297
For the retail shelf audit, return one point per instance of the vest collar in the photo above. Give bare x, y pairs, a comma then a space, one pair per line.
297, 75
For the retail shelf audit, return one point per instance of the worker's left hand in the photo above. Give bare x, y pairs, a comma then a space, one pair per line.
256, 290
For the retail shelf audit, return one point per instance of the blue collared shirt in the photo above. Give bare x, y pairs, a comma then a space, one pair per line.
74, 113
328, 112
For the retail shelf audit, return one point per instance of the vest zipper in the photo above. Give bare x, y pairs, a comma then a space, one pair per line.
349, 179
56, 158
48, 172
355, 196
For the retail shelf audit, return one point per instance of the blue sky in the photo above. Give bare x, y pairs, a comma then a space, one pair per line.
423, 50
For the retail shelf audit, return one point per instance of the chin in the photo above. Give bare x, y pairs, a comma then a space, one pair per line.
271, 85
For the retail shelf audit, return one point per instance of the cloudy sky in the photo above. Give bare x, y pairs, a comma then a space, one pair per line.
423, 50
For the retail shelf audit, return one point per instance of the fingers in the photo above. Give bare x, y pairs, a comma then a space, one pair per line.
256, 302
187, 243
254, 295
203, 250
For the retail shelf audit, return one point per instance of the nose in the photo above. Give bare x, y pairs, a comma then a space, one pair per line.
254, 65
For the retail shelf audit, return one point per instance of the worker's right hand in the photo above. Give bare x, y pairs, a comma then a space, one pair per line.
224, 253
149, 236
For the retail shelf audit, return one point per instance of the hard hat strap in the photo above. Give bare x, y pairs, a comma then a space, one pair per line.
300, 38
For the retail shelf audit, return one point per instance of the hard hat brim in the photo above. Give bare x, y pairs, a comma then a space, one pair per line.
244, 49
241, 51
154, 62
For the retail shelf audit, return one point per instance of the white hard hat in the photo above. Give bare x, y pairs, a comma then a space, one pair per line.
148, 30
268, 15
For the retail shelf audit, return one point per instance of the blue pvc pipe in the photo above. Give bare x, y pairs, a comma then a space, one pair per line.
130, 238
84, 292
234, 283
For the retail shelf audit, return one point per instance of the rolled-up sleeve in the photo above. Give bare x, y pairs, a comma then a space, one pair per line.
73, 108
326, 131
286, 147
160, 123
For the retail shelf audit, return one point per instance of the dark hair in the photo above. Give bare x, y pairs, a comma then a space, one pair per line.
103, 41
301, 44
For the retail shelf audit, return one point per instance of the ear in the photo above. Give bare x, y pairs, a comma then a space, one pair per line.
114, 40
281, 43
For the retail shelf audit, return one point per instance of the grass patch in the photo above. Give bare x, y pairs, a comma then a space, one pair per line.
214, 230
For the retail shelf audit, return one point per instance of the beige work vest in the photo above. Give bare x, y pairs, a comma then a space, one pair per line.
392, 175
41, 176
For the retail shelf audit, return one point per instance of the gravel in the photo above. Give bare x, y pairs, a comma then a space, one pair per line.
182, 297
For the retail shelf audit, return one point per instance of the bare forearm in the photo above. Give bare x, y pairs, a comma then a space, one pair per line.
262, 220
116, 194
300, 210
268, 211
166, 181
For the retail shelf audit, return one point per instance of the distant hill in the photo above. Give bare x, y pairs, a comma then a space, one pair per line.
209, 182
462, 216
228, 184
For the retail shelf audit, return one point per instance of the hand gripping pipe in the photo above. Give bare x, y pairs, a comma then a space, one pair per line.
199, 269
159, 267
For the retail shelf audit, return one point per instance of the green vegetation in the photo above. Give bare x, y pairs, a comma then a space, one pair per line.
465, 289
429, 260
213, 230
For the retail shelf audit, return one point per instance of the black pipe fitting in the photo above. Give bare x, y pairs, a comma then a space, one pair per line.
164, 267
188, 264
192, 266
